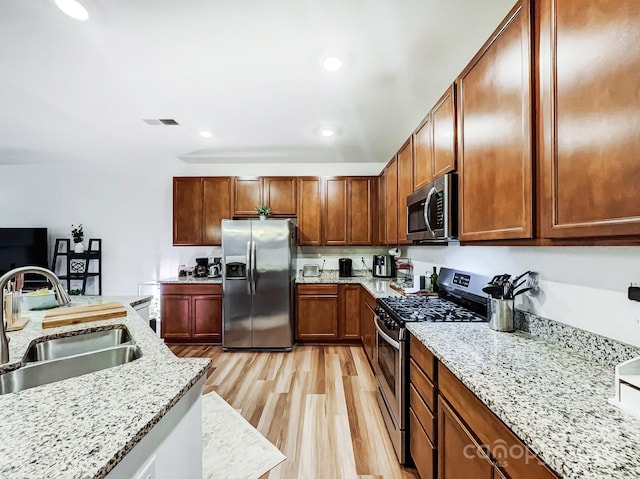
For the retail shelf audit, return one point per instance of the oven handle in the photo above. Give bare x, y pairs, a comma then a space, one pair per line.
386, 337
425, 212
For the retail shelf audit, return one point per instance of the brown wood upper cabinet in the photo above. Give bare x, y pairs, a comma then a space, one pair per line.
277, 192
348, 211
495, 134
434, 141
443, 121
199, 204
390, 179
310, 200
589, 136
423, 154
405, 188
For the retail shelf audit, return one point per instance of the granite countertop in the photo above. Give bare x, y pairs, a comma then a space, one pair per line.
191, 280
82, 427
378, 287
552, 398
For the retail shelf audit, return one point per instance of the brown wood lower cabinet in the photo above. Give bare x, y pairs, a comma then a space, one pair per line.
317, 312
471, 441
191, 313
459, 454
328, 312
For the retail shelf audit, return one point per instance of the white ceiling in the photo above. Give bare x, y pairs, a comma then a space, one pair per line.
249, 71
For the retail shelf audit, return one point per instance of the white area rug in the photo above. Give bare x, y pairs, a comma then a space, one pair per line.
231, 447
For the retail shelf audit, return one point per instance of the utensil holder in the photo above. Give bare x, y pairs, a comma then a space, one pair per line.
501, 314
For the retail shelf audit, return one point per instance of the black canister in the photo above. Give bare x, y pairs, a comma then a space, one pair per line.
344, 265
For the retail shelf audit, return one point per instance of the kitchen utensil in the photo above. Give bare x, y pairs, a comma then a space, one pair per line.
83, 314
501, 314
492, 290
524, 290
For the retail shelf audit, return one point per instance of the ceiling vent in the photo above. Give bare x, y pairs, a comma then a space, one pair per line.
162, 121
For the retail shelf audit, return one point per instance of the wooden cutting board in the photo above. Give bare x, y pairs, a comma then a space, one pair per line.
82, 314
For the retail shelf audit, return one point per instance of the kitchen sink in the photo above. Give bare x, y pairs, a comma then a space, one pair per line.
44, 372
78, 344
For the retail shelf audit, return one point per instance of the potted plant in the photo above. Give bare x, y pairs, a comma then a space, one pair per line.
263, 211
78, 238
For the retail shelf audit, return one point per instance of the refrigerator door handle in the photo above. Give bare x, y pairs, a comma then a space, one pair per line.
249, 269
254, 272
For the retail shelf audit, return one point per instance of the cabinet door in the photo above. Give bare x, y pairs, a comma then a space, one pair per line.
310, 211
380, 218
349, 311
422, 154
459, 455
176, 317
360, 211
423, 452
367, 328
207, 318
317, 317
335, 225
279, 193
443, 117
405, 188
590, 105
187, 211
391, 202
216, 207
247, 196
494, 134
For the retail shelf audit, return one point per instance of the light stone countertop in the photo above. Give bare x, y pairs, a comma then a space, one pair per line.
552, 398
82, 427
190, 280
378, 287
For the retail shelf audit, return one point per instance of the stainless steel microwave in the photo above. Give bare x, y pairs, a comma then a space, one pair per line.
432, 211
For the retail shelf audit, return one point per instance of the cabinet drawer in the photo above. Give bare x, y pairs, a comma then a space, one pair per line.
422, 451
190, 288
423, 358
422, 385
423, 413
328, 289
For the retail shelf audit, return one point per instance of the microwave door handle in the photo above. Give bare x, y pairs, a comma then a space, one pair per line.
426, 209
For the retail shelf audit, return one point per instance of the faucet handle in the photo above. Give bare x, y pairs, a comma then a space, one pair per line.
62, 296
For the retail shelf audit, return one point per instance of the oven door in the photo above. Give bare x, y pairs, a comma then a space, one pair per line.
389, 371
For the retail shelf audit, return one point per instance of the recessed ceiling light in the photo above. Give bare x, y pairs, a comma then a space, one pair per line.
74, 9
205, 134
327, 132
332, 64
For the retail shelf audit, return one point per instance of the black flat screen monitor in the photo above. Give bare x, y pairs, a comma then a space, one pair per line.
24, 247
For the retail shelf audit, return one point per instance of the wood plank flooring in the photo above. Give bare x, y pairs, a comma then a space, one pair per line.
316, 404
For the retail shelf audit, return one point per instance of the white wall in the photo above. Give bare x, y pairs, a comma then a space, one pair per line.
585, 287
130, 207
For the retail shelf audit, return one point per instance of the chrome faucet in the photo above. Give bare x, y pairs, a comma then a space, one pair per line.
61, 296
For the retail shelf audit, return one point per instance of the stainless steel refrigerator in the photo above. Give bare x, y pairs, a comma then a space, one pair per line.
258, 283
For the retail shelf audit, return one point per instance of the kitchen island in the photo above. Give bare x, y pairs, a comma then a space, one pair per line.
88, 425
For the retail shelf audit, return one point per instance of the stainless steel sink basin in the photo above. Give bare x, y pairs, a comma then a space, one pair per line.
38, 373
78, 344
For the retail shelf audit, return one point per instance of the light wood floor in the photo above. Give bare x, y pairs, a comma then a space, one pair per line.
316, 404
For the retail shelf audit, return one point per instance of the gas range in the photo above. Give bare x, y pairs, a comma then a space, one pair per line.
425, 308
460, 299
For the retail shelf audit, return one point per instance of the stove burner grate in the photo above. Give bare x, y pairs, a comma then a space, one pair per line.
427, 308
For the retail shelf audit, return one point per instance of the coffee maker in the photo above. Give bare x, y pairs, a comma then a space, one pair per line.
384, 266
215, 268
201, 269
